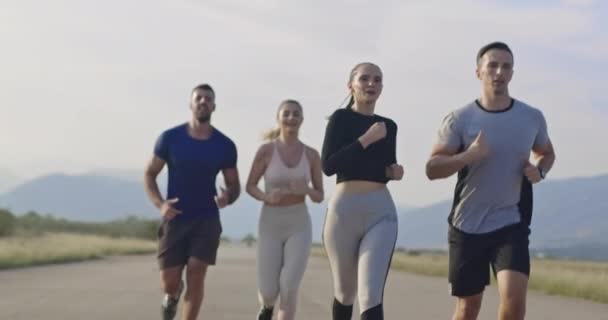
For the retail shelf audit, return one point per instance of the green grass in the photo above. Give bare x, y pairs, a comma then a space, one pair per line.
586, 280
576, 279
48, 248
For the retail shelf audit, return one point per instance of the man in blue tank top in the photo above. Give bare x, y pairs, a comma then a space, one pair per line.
189, 235
488, 142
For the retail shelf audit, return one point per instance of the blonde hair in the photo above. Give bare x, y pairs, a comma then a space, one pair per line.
276, 132
271, 134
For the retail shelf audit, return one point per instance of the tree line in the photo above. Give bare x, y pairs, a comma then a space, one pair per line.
33, 223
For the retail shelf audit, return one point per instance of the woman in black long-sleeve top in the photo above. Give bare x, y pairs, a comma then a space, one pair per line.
361, 223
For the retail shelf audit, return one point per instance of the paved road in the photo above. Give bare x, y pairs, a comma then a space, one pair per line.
127, 288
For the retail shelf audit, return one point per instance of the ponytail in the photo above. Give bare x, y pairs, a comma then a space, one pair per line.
351, 102
271, 134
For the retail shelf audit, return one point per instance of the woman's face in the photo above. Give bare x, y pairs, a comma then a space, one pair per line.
366, 83
290, 117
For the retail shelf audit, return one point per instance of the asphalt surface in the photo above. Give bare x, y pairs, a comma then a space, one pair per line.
128, 288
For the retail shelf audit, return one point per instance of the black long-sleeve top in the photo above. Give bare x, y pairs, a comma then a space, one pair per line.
344, 155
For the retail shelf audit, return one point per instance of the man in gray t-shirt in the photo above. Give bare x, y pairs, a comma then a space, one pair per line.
488, 142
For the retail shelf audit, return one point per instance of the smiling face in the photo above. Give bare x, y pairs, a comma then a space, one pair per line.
289, 116
366, 83
495, 70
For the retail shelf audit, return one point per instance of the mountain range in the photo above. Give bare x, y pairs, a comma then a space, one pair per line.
568, 214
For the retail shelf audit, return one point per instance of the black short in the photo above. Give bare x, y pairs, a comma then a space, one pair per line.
471, 255
180, 239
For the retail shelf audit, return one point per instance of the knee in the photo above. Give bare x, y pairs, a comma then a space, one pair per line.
195, 278
345, 298
196, 268
267, 297
513, 306
468, 308
345, 292
289, 297
268, 291
170, 284
368, 300
195, 275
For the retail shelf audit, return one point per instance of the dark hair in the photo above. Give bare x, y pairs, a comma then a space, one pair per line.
493, 45
205, 87
351, 102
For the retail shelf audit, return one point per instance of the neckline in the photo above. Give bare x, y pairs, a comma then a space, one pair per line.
187, 132
302, 155
362, 114
478, 103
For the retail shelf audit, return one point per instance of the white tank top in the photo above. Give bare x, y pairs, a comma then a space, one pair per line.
278, 174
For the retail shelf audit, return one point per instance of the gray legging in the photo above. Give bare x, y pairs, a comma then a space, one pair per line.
284, 241
359, 236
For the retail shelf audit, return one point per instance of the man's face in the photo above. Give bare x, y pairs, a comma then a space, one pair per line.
202, 104
495, 69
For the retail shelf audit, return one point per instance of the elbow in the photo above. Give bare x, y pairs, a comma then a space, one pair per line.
249, 188
430, 172
149, 175
328, 170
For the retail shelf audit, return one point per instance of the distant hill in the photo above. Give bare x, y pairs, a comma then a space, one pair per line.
135, 175
569, 215
424, 227
79, 197
110, 194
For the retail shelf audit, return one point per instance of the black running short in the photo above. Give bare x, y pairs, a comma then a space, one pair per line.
471, 255
179, 239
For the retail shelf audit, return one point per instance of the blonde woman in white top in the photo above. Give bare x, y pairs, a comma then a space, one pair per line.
291, 171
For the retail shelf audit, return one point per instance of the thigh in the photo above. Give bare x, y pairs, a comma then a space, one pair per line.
269, 259
342, 245
375, 254
170, 277
296, 253
341, 241
196, 270
469, 263
512, 286
204, 240
172, 244
512, 250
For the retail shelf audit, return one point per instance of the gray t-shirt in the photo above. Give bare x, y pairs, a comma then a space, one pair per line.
488, 192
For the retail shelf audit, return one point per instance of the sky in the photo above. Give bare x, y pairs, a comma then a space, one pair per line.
89, 85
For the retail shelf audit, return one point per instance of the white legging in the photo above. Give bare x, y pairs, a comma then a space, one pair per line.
284, 241
359, 237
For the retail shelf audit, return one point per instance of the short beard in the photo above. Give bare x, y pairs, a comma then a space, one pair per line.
204, 119
500, 92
